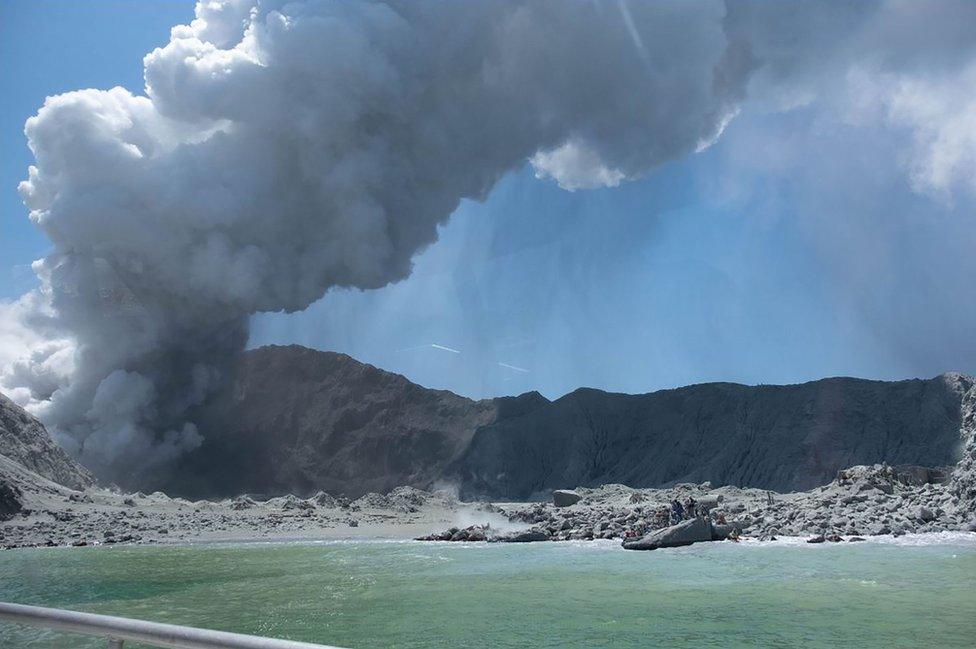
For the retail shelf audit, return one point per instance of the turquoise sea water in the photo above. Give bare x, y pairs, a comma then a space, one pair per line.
912, 593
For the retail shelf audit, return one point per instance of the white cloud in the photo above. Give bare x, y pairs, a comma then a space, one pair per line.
941, 114
574, 166
34, 361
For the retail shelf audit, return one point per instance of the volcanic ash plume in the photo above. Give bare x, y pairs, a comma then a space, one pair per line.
284, 148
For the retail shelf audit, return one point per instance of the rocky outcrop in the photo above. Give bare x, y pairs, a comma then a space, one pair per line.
298, 420
687, 532
962, 483
472, 533
565, 497
525, 536
11, 500
24, 440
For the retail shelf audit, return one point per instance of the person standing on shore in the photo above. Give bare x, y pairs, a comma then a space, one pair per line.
677, 511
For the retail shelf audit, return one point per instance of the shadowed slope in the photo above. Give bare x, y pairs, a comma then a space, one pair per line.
777, 437
301, 420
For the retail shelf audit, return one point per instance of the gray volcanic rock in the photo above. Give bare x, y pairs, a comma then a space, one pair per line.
24, 440
11, 501
527, 536
696, 530
299, 420
565, 497
962, 483
722, 532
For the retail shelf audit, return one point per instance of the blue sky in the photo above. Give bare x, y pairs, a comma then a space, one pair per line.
53, 46
767, 258
644, 286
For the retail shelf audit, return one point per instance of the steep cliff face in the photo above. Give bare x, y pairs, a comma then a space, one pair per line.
962, 483
776, 437
24, 440
300, 420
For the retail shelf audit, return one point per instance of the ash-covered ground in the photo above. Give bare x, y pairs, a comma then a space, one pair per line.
862, 501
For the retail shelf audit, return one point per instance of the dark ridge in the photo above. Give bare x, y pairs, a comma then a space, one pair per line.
299, 420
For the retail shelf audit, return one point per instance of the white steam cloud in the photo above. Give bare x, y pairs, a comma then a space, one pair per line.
283, 148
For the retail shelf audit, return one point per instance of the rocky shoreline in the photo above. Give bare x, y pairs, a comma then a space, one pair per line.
862, 501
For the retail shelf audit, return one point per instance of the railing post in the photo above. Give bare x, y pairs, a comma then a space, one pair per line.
114, 643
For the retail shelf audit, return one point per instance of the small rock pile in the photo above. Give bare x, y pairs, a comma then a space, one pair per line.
863, 500
472, 533
402, 499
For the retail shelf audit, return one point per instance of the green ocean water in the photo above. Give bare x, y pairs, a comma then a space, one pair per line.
910, 593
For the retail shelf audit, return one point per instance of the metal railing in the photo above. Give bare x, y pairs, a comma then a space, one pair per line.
118, 629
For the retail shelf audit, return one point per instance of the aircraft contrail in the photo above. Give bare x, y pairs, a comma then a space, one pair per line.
447, 349
429, 345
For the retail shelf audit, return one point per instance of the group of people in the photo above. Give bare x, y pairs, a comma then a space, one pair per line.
689, 509
676, 512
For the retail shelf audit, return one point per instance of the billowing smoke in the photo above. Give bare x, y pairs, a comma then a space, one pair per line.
285, 148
